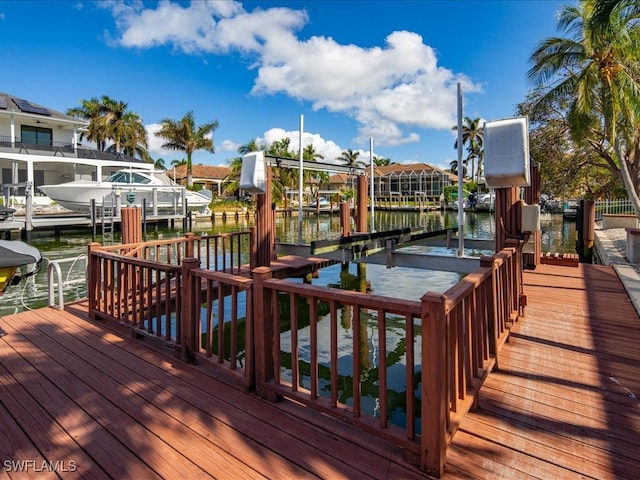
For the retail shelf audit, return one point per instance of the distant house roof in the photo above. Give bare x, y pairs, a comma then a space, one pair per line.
201, 172
22, 107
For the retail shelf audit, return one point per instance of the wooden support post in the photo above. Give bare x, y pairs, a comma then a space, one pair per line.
532, 195
435, 403
507, 216
190, 314
264, 225
361, 211
189, 250
131, 225
345, 219
93, 276
587, 230
263, 326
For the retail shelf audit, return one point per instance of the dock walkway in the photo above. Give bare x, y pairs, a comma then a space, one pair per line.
96, 404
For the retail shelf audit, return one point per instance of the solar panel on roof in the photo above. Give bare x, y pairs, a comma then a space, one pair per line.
3, 103
29, 107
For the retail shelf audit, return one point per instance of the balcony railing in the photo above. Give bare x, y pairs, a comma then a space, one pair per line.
60, 149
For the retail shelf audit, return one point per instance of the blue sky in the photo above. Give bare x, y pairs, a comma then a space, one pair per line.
355, 70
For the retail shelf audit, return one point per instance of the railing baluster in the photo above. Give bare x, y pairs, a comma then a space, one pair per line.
293, 311
382, 367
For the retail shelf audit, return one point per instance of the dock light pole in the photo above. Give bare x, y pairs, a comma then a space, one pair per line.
460, 179
300, 186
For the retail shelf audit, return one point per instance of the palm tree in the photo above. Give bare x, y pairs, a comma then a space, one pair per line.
453, 167
109, 120
381, 161
184, 136
91, 110
314, 179
597, 65
350, 158
473, 138
159, 164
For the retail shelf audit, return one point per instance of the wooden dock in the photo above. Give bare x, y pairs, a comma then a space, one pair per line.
85, 401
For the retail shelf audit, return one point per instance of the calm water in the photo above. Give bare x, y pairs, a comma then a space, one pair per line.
411, 284
557, 236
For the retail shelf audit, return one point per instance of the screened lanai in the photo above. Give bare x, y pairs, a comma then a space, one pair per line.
411, 179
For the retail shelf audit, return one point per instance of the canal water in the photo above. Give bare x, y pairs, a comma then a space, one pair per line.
557, 236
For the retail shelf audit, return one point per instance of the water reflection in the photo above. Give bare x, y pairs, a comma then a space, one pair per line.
557, 236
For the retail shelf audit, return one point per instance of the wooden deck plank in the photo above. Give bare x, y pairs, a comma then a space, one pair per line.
252, 415
564, 403
567, 387
16, 447
54, 425
321, 453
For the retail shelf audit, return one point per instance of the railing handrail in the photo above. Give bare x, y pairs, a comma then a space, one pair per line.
363, 300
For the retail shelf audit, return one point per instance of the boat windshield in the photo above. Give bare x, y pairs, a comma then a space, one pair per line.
128, 177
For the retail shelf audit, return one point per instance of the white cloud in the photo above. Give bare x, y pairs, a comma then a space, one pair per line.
389, 90
327, 148
228, 146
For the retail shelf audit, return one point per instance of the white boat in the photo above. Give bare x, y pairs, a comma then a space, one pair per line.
13, 256
131, 186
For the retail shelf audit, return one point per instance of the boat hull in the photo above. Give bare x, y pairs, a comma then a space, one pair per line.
79, 196
6, 275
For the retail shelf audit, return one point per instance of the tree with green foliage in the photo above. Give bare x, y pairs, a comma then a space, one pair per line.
350, 158
380, 161
110, 120
596, 65
473, 138
185, 136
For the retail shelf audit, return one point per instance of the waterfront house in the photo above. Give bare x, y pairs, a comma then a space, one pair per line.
40, 146
210, 177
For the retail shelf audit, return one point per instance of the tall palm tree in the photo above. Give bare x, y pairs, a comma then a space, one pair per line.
350, 158
91, 110
597, 64
314, 179
473, 138
109, 120
183, 135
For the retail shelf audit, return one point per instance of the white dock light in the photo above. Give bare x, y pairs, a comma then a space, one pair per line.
506, 153
252, 175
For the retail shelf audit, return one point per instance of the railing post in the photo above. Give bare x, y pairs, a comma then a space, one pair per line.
190, 311
264, 332
93, 274
435, 385
492, 307
189, 241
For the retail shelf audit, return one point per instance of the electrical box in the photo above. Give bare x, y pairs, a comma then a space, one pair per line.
506, 152
530, 218
253, 178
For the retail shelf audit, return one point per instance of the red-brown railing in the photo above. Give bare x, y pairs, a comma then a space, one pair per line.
218, 326
139, 285
326, 305
449, 341
463, 330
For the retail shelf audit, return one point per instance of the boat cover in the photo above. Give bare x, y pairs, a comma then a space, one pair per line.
14, 253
